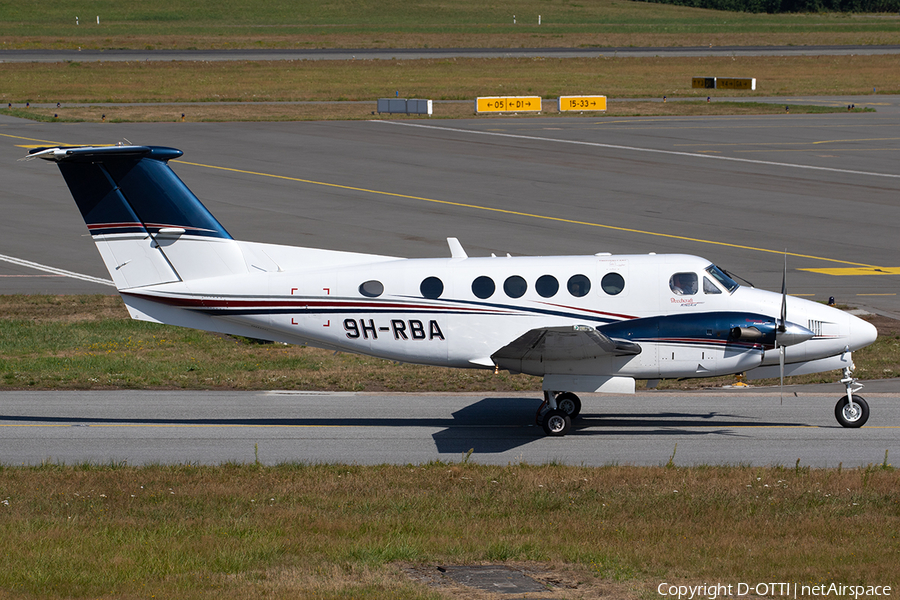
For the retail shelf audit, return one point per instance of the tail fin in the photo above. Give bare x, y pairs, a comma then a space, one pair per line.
148, 226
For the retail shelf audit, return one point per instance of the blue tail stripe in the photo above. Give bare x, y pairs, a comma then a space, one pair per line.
96, 194
131, 187
157, 195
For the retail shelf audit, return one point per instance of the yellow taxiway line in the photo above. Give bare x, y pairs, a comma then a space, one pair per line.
854, 269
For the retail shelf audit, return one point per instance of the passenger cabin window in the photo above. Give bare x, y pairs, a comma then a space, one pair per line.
483, 287
547, 286
371, 288
683, 284
579, 285
515, 286
432, 287
612, 283
709, 287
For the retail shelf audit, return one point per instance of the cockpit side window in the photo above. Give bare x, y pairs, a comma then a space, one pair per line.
683, 284
724, 280
709, 287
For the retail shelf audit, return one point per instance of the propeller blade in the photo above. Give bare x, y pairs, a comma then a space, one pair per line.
781, 370
783, 325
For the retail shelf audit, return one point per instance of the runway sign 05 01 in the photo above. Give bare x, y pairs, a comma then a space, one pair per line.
495, 104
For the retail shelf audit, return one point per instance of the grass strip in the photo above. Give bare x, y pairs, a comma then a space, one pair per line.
345, 111
430, 23
805, 30
89, 342
318, 90
444, 79
339, 531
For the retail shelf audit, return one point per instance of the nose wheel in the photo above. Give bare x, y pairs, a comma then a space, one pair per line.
851, 413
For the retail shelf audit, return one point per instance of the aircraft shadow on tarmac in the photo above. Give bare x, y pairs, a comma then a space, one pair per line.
495, 425
490, 425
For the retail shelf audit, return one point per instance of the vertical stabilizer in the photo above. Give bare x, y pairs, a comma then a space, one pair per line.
148, 226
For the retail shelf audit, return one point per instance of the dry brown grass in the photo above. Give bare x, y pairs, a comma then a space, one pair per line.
449, 79
331, 531
366, 110
572, 36
62, 308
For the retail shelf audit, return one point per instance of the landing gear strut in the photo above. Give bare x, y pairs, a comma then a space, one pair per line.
564, 407
851, 411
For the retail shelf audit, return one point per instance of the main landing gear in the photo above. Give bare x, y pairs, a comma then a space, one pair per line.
557, 412
851, 411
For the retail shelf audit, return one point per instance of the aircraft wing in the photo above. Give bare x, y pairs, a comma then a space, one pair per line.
576, 342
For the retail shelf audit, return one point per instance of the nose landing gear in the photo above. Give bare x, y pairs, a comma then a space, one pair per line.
851, 411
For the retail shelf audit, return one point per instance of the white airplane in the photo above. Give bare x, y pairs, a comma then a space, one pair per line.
584, 323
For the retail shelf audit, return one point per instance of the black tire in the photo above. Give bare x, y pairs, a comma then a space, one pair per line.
556, 423
851, 418
570, 404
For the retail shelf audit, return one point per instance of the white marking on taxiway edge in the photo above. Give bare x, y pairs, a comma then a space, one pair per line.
54, 270
636, 149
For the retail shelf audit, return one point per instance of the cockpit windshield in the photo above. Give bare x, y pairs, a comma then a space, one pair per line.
724, 280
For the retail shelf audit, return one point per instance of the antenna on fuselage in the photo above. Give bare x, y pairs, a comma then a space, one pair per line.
456, 249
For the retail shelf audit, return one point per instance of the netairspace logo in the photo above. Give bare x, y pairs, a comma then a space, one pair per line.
779, 589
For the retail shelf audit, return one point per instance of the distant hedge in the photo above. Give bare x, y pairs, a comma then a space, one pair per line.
791, 6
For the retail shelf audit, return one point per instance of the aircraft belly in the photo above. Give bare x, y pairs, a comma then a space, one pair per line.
698, 360
813, 349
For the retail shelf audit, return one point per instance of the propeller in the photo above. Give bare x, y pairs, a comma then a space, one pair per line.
787, 334
782, 327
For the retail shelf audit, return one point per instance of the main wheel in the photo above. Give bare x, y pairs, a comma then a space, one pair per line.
851, 416
556, 422
570, 404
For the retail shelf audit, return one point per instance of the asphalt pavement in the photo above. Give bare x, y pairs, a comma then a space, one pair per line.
747, 427
90, 55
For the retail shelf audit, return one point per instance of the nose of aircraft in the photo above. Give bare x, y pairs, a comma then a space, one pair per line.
862, 333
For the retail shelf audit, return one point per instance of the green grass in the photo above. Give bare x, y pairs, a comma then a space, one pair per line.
206, 14
431, 23
338, 531
88, 342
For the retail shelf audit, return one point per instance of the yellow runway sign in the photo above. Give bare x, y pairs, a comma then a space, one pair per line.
495, 104
735, 83
724, 83
582, 103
